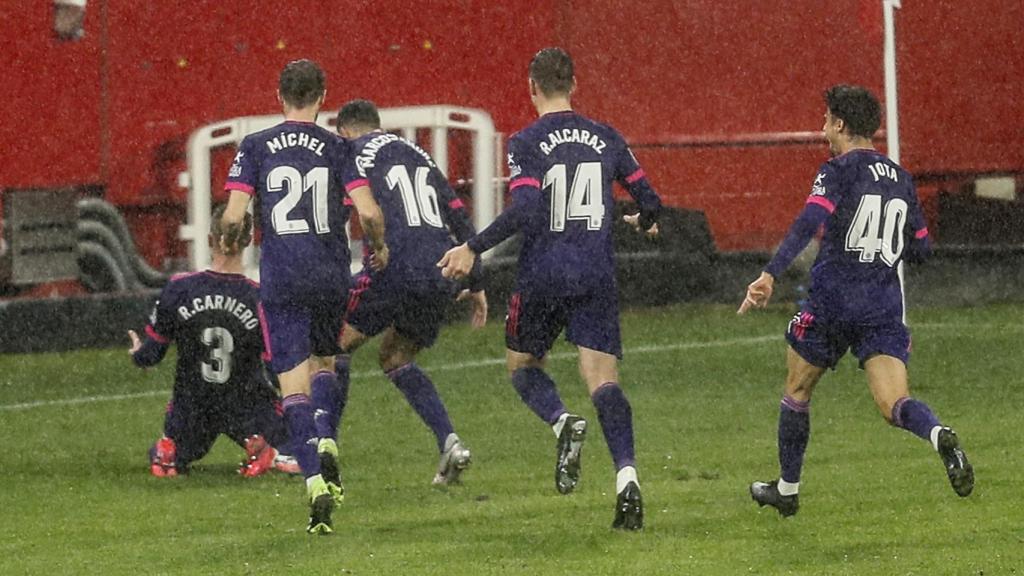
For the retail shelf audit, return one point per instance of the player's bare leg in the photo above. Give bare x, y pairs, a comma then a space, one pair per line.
600, 371
398, 361
887, 378
298, 412
794, 433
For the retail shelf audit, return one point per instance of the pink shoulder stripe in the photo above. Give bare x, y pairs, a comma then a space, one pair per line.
523, 182
823, 202
635, 176
356, 184
456, 204
240, 186
921, 233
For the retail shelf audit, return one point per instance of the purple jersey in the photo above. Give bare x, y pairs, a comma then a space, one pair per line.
418, 204
874, 218
293, 169
215, 320
565, 164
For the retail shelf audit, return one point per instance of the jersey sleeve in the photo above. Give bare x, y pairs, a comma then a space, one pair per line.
526, 173
353, 173
632, 177
160, 329
243, 173
918, 243
825, 190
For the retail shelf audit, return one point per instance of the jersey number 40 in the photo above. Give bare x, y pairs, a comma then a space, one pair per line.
584, 200
877, 231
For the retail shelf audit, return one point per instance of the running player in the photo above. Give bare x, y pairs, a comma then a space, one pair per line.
294, 170
561, 172
407, 301
872, 223
220, 386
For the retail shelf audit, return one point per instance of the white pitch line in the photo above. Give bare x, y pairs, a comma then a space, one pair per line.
430, 369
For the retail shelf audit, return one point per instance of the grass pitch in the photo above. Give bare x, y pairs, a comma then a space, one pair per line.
76, 496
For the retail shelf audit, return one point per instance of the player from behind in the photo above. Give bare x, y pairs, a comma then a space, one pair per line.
219, 385
561, 172
293, 169
872, 223
407, 301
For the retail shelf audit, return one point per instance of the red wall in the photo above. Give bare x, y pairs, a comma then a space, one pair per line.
116, 108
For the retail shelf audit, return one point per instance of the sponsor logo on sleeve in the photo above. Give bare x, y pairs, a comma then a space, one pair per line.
236, 166
819, 185
152, 315
513, 167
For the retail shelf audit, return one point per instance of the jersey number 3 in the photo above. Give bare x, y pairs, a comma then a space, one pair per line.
876, 231
583, 201
218, 369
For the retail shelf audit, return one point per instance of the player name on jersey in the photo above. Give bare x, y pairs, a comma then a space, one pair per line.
212, 302
368, 154
572, 135
295, 139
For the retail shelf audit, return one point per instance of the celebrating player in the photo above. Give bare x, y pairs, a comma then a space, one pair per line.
294, 170
872, 223
220, 385
561, 172
407, 301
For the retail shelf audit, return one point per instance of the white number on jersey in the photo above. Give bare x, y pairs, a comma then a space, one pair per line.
420, 200
317, 180
877, 232
585, 199
222, 344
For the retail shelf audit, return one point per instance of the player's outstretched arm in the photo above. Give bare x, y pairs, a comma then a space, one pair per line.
148, 352
478, 300
759, 292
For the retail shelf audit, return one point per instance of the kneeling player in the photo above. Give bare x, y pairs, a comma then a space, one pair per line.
220, 386
407, 301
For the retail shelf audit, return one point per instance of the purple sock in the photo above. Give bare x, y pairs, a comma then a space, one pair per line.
616, 418
329, 397
794, 432
419, 391
915, 416
537, 390
298, 412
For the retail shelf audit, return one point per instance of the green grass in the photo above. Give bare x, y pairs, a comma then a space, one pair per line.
76, 497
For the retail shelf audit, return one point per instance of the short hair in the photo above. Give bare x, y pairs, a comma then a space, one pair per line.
359, 113
857, 107
217, 228
552, 71
302, 83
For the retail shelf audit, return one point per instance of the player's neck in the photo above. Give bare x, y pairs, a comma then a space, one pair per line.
858, 143
552, 105
227, 264
301, 114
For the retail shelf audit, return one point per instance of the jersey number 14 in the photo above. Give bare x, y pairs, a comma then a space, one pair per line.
584, 200
877, 230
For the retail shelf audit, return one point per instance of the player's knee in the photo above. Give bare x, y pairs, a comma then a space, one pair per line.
390, 359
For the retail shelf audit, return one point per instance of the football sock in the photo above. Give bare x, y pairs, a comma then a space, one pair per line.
421, 394
625, 475
538, 392
915, 416
329, 395
616, 418
298, 412
934, 437
788, 488
794, 432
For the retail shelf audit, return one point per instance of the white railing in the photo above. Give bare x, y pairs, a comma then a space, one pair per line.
407, 120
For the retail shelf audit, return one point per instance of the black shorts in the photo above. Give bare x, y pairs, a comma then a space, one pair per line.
415, 311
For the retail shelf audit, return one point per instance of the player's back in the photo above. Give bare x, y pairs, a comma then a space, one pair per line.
875, 216
574, 160
294, 170
215, 322
410, 190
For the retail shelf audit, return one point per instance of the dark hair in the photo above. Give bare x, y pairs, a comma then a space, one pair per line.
857, 107
217, 228
359, 113
302, 83
553, 72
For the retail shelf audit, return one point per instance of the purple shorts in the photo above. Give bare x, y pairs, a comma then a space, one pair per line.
822, 343
293, 330
415, 313
590, 321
